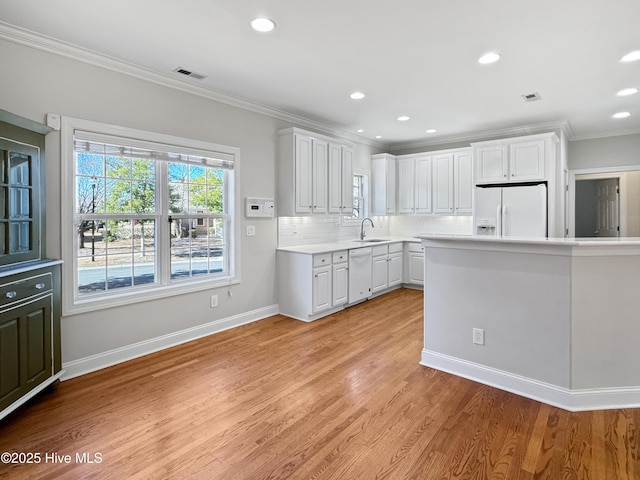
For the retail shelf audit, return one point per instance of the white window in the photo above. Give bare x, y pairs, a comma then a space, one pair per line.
144, 215
360, 204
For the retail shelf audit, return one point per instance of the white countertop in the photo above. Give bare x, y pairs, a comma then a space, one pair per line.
345, 245
569, 241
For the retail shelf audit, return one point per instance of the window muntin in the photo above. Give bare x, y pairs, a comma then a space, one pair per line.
131, 205
360, 198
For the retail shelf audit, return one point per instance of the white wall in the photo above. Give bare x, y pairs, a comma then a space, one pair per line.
35, 83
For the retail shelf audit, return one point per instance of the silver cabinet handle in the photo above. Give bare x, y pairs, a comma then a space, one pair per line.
39, 286
11, 294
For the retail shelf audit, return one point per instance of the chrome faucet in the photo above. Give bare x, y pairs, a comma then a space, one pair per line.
362, 235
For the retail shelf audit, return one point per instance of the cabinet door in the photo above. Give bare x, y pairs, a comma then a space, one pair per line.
394, 273
526, 161
303, 174
463, 186
443, 183
335, 179
11, 387
25, 349
379, 273
391, 187
416, 268
491, 163
423, 185
406, 189
340, 284
320, 176
20, 214
383, 185
321, 288
347, 181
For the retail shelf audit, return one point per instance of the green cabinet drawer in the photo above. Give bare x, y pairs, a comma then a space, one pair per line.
25, 288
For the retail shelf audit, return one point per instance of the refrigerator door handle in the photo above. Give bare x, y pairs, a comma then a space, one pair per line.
499, 221
505, 221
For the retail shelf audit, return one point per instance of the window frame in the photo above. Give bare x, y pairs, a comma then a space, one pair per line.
72, 303
366, 198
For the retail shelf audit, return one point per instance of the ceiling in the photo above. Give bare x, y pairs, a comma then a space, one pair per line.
417, 58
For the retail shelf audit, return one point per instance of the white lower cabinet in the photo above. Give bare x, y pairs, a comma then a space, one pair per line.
386, 267
313, 286
414, 264
322, 281
340, 269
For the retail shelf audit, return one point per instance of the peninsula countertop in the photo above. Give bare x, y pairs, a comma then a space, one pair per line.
569, 245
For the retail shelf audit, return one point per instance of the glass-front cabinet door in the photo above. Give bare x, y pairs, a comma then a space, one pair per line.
19, 202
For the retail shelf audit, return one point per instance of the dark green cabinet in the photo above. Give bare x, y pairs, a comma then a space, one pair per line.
30, 358
25, 348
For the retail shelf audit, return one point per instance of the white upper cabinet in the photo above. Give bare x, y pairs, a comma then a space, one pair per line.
423, 181
463, 182
443, 183
492, 165
520, 159
432, 182
526, 161
406, 185
340, 179
414, 184
313, 173
383, 184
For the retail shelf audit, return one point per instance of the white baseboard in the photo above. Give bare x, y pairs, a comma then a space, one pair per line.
102, 360
567, 399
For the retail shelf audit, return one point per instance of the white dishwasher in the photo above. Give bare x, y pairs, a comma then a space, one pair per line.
359, 274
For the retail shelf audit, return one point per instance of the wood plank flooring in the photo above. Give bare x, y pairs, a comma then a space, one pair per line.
340, 398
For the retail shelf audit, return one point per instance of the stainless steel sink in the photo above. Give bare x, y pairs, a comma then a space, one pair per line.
371, 240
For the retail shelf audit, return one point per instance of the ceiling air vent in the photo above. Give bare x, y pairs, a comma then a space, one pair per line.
189, 73
532, 97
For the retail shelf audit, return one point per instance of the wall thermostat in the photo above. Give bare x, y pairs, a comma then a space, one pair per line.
259, 207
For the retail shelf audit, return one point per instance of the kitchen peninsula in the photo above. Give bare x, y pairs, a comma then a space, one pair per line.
557, 320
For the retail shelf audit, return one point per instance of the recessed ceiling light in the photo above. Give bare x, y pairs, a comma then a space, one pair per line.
403, 118
627, 91
488, 58
360, 130
431, 130
621, 115
631, 57
263, 24
357, 95
378, 136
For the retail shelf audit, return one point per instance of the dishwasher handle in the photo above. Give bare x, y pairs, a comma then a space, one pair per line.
360, 252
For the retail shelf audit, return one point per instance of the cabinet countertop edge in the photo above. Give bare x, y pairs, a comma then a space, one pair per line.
330, 247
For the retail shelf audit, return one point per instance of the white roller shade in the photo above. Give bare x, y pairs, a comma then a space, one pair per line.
100, 144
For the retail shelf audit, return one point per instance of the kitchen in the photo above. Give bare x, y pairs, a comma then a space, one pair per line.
83, 84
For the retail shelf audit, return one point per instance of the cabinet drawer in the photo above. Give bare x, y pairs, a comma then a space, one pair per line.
395, 247
341, 256
320, 260
415, 247
16, 291
379, 250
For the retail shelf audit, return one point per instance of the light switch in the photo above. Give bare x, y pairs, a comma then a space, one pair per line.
251, 230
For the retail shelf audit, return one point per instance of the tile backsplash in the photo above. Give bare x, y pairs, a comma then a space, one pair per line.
308, 230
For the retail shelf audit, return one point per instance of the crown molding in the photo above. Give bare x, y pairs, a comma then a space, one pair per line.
47, 44
478, 136
606, 135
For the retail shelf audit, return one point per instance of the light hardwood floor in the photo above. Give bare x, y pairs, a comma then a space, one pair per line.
340, 398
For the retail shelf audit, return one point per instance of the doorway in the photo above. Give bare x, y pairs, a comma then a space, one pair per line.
597, 211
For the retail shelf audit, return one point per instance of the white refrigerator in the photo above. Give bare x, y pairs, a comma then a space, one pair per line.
511, 210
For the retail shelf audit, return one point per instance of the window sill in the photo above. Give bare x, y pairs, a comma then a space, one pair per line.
136, 296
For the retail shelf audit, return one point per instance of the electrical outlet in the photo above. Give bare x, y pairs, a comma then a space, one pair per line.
214, 301
478, 336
